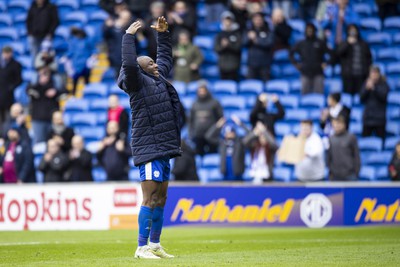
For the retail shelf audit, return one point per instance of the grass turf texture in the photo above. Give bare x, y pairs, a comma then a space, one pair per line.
364, 246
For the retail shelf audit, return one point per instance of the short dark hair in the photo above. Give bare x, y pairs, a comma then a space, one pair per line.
336, 96
307, 122
7, 49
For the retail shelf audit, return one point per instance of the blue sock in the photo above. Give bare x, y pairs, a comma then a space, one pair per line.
145, 215
156, 227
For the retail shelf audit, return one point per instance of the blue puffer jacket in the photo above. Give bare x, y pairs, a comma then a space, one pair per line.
155, 104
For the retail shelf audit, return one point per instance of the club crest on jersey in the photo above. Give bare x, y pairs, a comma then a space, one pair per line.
156, 174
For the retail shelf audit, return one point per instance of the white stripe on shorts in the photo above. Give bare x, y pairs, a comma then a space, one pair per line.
148, 170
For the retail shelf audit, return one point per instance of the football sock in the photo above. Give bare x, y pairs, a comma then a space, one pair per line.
145, 217
156, 227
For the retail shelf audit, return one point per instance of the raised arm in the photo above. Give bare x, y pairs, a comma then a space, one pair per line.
164, 47
129, 75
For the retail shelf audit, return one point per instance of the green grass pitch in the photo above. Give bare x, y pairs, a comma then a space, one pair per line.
193, 246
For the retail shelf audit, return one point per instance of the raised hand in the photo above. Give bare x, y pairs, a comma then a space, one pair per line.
161, 26
134, 27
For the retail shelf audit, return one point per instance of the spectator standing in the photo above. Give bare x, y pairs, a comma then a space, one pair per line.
335, 109
185, 166
284, 5
355, 59
394, 165
80, 49
374, 97
228, 46
187, 59
343, 157
157, 9
260, 113
214, 9
181, 17
54, 163
282, 31
231, 148
312, 166
60, 132
387, 8
238, 9
117, 113
205, 112
312, 61
44, 101
259, 41
262, 147
113, 154
41, 23
17, 119
16, 165
10, 79
80, 162
46, 57
307, 9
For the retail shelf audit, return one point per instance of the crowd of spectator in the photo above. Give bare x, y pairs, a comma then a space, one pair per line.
331, 37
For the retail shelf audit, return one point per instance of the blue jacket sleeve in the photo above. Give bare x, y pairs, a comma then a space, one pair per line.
129, 76
164, 53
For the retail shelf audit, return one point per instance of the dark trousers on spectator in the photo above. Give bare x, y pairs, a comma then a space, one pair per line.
203, 147
259, 73
379, 131
229, 75
313, 84
352, 84
85, 73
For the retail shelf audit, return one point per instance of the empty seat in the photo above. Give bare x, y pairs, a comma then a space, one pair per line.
251, 87
289, 71
297, 25
282, 129
312, 100
356, 114
346, 100
78, 105
210, 57
233, 102
277, 86
134, 175
379, 39
210, 72
5, 20
363, 9
356, 128
180, 87
95, 90
388, 54
83, 119
187, 102
393, 127
98, 17
378, 158
18, 7
281, 56
204, 41
225, 87
115, 90
283, 174
393, 113
296, 115
371, 23
99, 175
392, 24
91, 133
370, 144
67, 6
394, 98
191, 88
39, 148
295, 86
289, 101
93, 146
391, 141
382, 173
75, 18
25, 61
19, 48
8, 35
214, 175
333, 85
89, 6
367, 173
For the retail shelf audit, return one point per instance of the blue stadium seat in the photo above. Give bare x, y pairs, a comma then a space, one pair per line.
93, 146
382, 173
255, 87
204, 41
95, 90
370, 144
393, 127
3, 7
392, 24
393, 69
210, 72
295, 86
76, 105
390, 142
289, 71
296, 115
115, 90
99, 175
16, 7
243, 115
25, 61
275, 71
20, 21
356, 114
367, 173
134, 175
333, 85
393, 113
396, 38
39, 149
5, 20
379, 39
90, 133
187, 101
19, 48
62, 33
282, 129
277, 86
388, 54
210, 57
8, 35
98, 17
251, 101
283, 174
356, 128
203, 175
179, 86
312, 101
83, 119
394, 97
297, 25
28, 75
377, 158
281, 56
74, 18
191, 87
67, 6
233, 102
363, 9
214, 175
314, 114
20, 94
225, 87
289, 101
346, 100
89, 6
371, 24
